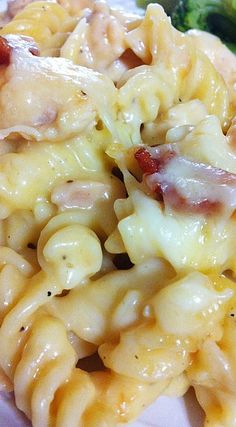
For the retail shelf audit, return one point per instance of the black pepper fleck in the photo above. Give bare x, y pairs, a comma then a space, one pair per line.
22, 329
49, 293
136, 357
63, 256
232, 314
69, 181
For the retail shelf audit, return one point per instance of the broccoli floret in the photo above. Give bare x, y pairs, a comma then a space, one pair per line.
215, 16
231, 46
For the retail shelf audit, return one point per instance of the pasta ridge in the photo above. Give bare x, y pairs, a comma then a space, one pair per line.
47, 22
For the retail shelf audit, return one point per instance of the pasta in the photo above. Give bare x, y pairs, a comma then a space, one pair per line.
111, 55
219, 55
47, 22
117, 214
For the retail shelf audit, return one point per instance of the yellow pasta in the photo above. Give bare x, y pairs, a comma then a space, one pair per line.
97, 43
186, 242
221, 57
213, 377
197, 144
111, 303
47, 22
74, 7
159, 342
117, 215
178, 72
58, 101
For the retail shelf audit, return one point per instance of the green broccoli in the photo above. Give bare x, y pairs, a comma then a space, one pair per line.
216, 16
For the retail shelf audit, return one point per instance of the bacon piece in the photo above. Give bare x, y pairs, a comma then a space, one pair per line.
150, 164
185, 185
79, 194
11, 42
180, 203
5, 52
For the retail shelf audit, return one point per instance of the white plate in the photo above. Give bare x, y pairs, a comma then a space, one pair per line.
165, 412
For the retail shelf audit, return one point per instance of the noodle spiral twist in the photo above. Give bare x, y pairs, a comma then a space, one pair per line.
176, 72
41, 361
47, 22
24, 317
30, 333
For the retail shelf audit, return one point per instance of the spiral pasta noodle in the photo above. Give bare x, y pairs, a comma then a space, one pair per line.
178, 72
117, 216
32, 326
47, 22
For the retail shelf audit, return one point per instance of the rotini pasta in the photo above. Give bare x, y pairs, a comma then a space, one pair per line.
84, 46
66, 108
47, 22
117, 215
178, 73
170, 241
216, 391
221, 57
98, 41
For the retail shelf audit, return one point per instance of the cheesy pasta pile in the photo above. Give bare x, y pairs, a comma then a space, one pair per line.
117, 214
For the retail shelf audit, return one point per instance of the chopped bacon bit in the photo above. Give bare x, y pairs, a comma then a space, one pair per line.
151, 165
145, 161
180, 203
79, 194
185, 185
5, 51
